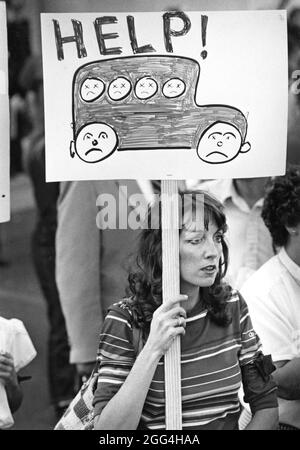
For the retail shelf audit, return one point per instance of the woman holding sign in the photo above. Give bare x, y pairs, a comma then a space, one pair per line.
219, 348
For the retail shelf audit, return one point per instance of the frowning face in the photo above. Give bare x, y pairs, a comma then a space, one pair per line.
145, 88
119, 88
91, 89
95, 142
220, 143
173, 88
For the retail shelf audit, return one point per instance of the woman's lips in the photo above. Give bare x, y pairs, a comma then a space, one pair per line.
209, 269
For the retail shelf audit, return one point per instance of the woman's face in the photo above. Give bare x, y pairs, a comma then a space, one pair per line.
200, 253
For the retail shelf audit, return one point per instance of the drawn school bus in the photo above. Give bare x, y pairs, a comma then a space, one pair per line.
147, 103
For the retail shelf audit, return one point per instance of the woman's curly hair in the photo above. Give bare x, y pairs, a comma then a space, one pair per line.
145, 282
282, 205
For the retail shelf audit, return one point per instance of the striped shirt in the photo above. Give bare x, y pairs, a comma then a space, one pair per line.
211, 357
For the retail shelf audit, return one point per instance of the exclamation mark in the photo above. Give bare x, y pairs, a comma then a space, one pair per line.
204, 20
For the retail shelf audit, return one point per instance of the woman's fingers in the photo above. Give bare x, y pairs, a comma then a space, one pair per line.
173, 301
171, 308
169, 321
175, 312
6, 366
179, 330
6, 359
176, 322
180, 322
5, 372
175, 331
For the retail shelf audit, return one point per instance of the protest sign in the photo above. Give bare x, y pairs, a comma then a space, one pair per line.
165, 95
4, 120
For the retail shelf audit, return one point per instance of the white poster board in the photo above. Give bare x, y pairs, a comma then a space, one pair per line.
165, 95
4, 120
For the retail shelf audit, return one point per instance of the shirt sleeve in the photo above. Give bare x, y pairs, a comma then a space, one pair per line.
77, 268
22, 349
271, 319
259, 387
116, 356
250, 342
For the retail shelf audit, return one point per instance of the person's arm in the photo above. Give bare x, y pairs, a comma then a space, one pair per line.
123, 411
261, 393
272, 318
77, 270
259, 387
264, 419
287, 377
9, 378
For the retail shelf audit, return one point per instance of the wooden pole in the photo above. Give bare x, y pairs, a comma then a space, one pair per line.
171, 288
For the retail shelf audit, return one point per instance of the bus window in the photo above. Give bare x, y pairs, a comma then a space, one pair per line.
145, 88
91, 89
119, 88
173, 88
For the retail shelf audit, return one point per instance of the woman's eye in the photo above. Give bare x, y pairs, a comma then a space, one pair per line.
195, 241
219, 237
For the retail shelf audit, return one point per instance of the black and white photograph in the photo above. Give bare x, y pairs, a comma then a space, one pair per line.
149, 221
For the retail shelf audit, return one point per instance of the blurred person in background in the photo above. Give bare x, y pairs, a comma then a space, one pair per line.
273, 294
293, 142
16, 352
18, 50
293, 138
95, 266
293, 22
18, 41
62, 374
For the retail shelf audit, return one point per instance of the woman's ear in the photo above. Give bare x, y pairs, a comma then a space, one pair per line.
293, 231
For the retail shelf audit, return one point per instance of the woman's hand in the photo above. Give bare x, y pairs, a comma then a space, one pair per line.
7, 370
169, 321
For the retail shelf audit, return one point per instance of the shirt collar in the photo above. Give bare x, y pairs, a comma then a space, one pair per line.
289, 264
231, 193
224, 190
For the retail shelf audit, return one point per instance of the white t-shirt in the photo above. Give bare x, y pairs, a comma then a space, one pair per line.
15, 340
273, 298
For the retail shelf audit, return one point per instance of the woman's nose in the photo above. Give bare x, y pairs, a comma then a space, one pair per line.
211, 250
95, 142
219, 143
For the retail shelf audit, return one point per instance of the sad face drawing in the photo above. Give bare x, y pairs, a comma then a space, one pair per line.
94, 142
220, 143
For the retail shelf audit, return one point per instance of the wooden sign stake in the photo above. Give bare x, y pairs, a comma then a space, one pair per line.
171, 288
